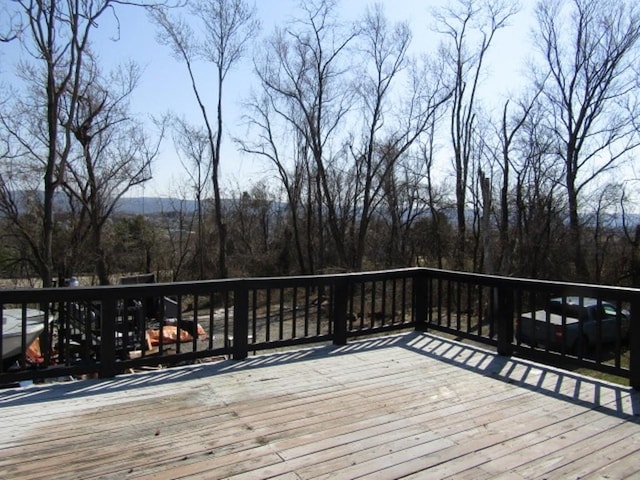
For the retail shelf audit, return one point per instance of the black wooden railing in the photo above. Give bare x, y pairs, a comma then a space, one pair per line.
105, 331
489, 309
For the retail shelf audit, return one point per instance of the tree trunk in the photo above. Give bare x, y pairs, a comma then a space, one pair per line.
580, 264
485, 189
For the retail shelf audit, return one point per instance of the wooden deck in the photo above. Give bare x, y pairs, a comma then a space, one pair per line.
412, 405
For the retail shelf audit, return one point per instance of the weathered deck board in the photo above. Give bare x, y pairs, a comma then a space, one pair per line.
411, 405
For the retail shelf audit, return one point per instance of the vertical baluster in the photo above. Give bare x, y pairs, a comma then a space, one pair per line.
108, 313
339, 311
240, 322
294, 319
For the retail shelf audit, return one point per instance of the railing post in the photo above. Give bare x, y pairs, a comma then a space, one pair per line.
240, 347
108, 313
634, 345
339, 313
420, 301
505, 321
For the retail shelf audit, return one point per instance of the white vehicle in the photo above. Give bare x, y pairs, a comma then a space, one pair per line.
12, 330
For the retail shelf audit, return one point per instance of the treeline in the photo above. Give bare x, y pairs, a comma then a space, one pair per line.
381, 155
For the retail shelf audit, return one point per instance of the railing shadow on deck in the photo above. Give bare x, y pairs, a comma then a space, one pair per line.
616, 400
86, 388
546, 380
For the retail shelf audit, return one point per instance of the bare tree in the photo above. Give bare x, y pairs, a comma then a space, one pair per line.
260, 241
261, 116
226, 26
115, 152
434, 197
303, 76
589, 52
179, 220
603, 226
193, 143
507, 132
538, 244
384, 48
404, 211
391, 121
346, 141
631, 267
10, 26
469, 28
56, 38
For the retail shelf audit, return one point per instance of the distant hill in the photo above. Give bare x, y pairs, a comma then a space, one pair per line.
153, 205
126, 205
157, 205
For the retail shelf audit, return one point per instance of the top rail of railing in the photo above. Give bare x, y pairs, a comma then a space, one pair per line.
567, 288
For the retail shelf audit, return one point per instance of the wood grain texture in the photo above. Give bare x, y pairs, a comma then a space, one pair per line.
412, 405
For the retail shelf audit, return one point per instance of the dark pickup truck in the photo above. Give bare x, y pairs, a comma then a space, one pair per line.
573, 325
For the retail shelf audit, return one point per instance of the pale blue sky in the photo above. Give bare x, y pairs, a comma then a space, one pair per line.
164, 86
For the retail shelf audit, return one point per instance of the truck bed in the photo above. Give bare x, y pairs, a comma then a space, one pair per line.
534, 329
541, 316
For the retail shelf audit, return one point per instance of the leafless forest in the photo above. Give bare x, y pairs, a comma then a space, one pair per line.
353, 126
